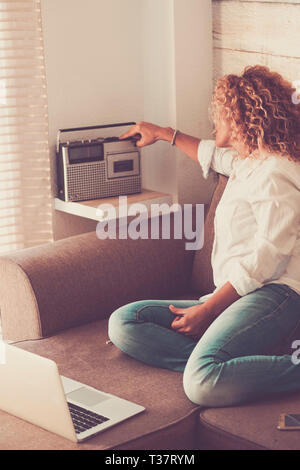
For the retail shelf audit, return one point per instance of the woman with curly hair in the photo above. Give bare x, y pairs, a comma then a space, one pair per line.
227, 342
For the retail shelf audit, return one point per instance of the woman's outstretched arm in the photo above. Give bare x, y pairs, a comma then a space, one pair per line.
150, 133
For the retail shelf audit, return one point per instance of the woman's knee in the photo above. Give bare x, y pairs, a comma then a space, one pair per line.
203, 387
207, 386
120, 321
197, 386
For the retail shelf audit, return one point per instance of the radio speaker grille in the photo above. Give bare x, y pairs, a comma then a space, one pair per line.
88, 181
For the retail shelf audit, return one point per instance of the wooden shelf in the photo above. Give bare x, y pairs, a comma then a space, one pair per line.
90, 209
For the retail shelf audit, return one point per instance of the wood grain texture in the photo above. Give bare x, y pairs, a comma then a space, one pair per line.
253, 32
228, 61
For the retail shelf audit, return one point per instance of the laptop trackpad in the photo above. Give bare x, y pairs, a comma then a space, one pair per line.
87, 397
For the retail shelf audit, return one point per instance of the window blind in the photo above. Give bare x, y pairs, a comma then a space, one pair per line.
25, 189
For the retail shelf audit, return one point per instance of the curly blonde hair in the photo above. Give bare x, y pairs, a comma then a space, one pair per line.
261, 112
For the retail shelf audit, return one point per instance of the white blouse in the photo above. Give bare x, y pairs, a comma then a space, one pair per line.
257, 221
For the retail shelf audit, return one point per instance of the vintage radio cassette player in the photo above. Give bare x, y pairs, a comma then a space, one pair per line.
97, 168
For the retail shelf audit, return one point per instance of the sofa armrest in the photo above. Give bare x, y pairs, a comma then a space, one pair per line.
81, 279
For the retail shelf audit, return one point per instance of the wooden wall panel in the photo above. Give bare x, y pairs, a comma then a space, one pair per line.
230, 61
249, 32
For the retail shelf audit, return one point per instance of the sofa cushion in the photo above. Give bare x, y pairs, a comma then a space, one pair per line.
202, 275
250, 427
170, 419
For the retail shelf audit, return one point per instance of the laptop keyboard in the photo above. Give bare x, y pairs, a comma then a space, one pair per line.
84, 419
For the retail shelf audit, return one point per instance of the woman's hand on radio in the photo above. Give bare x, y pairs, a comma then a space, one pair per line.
146, 133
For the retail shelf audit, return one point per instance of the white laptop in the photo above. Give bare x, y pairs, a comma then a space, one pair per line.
32, 389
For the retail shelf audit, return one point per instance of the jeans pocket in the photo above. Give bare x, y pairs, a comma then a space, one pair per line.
282, 288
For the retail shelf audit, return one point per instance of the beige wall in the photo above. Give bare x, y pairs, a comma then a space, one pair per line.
256, 32
93, 54
115, 60
119, 60
178, 86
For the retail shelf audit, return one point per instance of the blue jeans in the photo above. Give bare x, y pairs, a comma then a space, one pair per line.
234, 361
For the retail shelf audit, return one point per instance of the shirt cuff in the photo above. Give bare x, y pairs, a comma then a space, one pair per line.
241, 281
206, 150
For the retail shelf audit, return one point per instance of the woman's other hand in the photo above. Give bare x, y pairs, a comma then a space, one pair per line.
191, 321
195, 320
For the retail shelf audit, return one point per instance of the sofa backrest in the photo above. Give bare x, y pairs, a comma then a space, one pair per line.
202, 276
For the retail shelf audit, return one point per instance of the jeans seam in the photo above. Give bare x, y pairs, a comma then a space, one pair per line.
155, 324
164, 328
287, 297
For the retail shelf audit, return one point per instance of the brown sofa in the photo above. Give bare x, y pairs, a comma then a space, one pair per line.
55, 301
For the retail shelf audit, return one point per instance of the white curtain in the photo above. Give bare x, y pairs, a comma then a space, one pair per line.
25, 191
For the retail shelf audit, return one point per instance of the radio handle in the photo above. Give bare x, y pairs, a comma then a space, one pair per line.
74, 129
